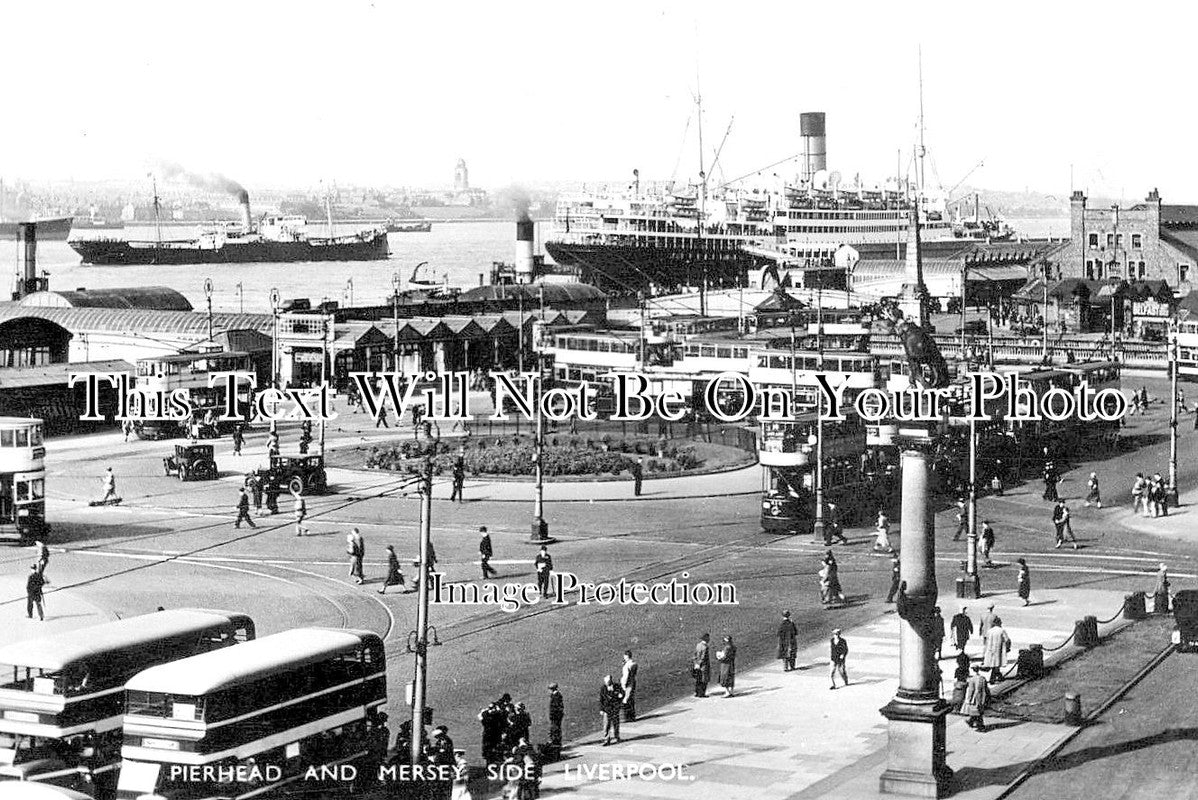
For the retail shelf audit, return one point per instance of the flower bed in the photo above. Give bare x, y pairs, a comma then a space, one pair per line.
562, 455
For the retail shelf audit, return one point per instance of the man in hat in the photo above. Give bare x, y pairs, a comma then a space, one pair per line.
557, 713
986, 622
628, 672
894, 578
109, 484
638, 476
977, 695
962, 628
611, 698
485, 552
701, 665
839, 653
544, 566
33, 593
243, 510
787, 642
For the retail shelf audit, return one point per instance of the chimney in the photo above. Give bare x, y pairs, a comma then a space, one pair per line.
247, 220
525, 270
815, 145
27, 276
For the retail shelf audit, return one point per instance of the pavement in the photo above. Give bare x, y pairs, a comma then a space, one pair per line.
823, 743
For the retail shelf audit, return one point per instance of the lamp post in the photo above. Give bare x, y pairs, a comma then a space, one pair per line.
1171, 495
971, 585
325, 328
420, 678
349, 288
395, 282
208, 299
540, 528
818, 524
964, 351
274, 341
240, 298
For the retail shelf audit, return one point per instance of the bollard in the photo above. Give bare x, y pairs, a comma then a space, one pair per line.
1031, 662
1160, 602
1081, 634
1134, 606
1092, 624
1073, 708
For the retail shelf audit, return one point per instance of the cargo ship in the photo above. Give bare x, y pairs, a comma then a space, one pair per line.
631, 241
273, 239
52, 229
409, 226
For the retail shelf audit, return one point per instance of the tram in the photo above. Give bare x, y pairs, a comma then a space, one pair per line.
787, 452
22, 480
208, 726
1187, 350
159, 376
61, 696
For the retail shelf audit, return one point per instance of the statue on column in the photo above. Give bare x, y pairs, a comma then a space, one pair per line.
920, 348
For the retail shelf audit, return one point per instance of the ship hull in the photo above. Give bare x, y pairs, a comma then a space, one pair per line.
56, 229
629, 269
115, 252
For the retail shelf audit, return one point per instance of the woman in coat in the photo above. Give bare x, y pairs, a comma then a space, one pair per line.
960, 680
394, 575
977, 696
994, 654
727, 658
1025, 581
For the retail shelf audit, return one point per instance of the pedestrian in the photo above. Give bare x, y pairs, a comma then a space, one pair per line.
830, 579
701, 665
492, 721
638, 476
1160, 595
882, 533
459, 479
243, 510
894, 578
1135, 402
355, 548
33, 593
300, 509
628, 672
727, 658
1143, 399
253, 481
238, 439
1093, 496
1051, 479
544, 566
839, 653
994, 654
962, 520
1060, 519
962, 629
1159, 508
127, 428
936, 628
109, 486
380, 419
960, 680
787, 642
1024, 582
42, 554
1000, 476
832, 527
986, 622
977, 696
1139, 492
987, 541
557, 713
394, 573
272, 443
485, 553
611, 697
461, 777
271, 485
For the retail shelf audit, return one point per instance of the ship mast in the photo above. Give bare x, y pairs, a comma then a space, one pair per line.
157, 215
922, 150
702, 202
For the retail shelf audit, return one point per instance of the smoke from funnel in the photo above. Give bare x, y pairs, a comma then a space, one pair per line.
208, 181
518, 199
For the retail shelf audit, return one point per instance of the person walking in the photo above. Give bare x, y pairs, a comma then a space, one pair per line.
1060, 518
243, 510
1000, 476
977, 697
253, 482
557, 713
962, 520
1093, 495
459, 479
1024, 585
638, 476
962, 629
109, 486
1157, 488
787, 642
270, 485
701, 665
987, 541
830, 579
727, 658
994, 654
1051, 479
544, 566
960, 681
272, 443
895, 578
611, 697
936, 626
882, 534
986, 622
355, 547
833, 530
628, 672
838, 651
238, 439
127, 428
1139, 492
486, 553
394, 573
33, 593
300, 509
42, 554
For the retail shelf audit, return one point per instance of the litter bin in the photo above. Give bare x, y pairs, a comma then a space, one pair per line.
1031, 662
1134, 607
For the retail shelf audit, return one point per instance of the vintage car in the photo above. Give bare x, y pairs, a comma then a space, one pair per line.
1185, 618
299, 473
193, 462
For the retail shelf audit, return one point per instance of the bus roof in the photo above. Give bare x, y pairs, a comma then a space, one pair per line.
1087, 366
59, 650
184, 358
21, 421
232, 666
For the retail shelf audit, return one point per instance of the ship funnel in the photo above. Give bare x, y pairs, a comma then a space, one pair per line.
26, 278
815, 145
247, 220
525, 270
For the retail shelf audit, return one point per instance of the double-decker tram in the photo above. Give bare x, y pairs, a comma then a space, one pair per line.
251, 720
160, 376
22, 479
787, 452
1187, 350
62, 696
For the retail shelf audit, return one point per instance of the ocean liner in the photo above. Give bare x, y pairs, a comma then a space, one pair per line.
633, 241
275, 239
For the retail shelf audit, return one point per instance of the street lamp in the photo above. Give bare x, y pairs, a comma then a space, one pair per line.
208, 298
540, 528
1174, 350
240, 298
395, 283
818, 525
274, 342
420, 648
971, 585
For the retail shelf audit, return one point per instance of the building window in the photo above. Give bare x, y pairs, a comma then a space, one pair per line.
1131, 270
1089, 270
1143, 271
1137, 241
1118, 240
1110, 240
1183, 271
1093, 241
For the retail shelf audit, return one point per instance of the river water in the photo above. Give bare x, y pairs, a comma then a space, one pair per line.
458, 252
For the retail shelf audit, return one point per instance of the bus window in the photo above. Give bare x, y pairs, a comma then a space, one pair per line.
22, 437
22, 491
6, 438
35, 435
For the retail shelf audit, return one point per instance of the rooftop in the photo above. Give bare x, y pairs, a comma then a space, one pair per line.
157, 298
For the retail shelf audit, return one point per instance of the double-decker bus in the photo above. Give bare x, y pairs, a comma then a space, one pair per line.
159, 376
22, 479
211, 725
787, 452
62, 696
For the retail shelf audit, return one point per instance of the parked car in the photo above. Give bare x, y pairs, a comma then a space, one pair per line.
299, 473
191, 462
1185, 618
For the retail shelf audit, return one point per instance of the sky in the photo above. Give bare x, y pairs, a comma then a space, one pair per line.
393, 93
